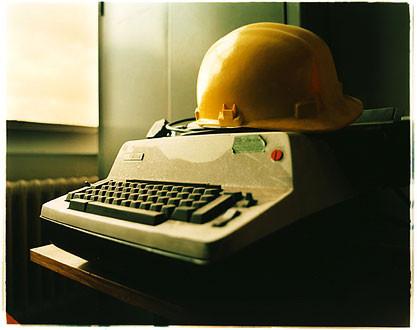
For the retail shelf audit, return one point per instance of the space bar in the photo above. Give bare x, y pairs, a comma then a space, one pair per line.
126, 213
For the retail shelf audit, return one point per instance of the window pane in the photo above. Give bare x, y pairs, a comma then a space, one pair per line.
52, 63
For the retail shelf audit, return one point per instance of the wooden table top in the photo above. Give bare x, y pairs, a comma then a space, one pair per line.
80, 270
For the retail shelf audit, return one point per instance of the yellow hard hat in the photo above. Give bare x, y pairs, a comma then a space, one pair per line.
272, 76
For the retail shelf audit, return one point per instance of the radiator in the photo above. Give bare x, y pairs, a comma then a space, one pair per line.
28, 286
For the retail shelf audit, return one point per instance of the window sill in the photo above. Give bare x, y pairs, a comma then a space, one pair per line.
27, 138
15, 125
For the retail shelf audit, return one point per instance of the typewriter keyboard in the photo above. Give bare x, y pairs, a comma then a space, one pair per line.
151, 202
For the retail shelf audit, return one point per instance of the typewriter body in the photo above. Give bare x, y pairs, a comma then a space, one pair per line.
201, 198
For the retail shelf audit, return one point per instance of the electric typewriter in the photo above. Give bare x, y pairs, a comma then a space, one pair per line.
200, 198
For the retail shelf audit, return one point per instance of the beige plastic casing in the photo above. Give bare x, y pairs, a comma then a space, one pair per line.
304, 181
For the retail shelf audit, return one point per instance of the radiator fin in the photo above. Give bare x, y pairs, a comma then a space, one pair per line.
28, 286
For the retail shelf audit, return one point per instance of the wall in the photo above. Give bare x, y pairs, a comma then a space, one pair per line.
149, 59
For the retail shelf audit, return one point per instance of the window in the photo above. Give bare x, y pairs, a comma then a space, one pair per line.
52, 63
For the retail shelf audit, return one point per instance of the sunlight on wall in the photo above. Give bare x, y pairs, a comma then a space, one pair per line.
52, 63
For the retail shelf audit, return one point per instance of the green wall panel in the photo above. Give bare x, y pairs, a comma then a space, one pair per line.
133, 74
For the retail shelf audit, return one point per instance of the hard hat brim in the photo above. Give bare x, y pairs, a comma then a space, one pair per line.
347, 112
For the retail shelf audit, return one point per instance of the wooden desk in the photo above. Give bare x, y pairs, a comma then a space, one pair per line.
80, 270
172, 302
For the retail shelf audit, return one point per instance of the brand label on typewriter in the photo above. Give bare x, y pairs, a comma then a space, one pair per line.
134, 156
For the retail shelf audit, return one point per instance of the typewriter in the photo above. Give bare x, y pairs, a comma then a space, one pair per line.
201, 198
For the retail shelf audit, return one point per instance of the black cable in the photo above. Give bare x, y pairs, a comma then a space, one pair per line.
171, 127
205, 130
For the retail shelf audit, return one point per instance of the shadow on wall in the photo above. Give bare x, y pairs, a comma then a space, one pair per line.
370, 46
